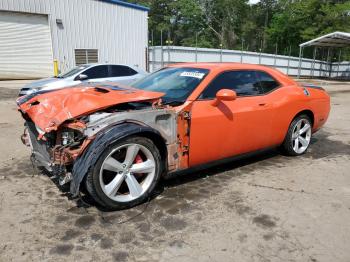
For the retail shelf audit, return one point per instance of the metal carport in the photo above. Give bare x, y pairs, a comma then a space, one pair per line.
330, 42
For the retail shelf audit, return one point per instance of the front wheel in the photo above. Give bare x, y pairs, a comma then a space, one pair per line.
125, 174
298, 137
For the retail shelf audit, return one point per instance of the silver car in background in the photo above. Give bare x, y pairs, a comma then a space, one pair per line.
122, 74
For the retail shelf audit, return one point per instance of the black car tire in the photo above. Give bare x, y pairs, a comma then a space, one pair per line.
94, 186
287, 147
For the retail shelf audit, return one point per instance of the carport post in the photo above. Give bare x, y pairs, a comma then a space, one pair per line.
300, 57
322, 63
339, 57
313, 62
328, 64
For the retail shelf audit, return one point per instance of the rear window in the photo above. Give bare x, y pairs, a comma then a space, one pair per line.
120, 71
267, 82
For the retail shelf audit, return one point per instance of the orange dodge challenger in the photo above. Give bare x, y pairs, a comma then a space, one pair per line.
117, 141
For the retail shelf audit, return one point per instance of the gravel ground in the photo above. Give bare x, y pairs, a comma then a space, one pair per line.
264, 208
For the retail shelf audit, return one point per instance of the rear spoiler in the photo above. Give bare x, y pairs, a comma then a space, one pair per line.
306, 85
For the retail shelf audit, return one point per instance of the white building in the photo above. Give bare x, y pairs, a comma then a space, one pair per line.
35, 32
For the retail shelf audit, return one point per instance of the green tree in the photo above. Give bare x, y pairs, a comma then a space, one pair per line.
303, 20
268, 26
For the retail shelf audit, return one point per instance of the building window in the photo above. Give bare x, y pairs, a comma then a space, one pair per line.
85, 56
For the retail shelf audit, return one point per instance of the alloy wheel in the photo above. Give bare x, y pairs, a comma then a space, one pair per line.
127, 172
301, 136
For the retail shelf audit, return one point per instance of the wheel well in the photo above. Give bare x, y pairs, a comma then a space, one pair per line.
309, 113
158, 141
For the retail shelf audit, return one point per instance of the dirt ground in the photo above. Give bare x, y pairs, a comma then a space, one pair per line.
265, 208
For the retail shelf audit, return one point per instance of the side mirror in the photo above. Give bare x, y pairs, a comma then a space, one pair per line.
224, 95
81, 77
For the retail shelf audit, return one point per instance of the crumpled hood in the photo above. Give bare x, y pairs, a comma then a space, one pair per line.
48, 110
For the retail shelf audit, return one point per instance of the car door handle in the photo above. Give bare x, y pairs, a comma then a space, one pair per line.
262, 104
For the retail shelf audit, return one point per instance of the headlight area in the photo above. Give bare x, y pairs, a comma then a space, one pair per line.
70, 141
57, 150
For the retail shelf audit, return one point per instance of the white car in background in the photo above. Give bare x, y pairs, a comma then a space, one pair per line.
122, 74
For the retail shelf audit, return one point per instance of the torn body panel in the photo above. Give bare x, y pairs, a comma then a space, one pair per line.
102, 140
107, 129
49, 110
164, 120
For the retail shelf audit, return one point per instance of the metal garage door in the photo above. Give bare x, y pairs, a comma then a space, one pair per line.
25, 46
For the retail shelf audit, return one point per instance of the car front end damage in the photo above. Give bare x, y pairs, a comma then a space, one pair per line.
69, 144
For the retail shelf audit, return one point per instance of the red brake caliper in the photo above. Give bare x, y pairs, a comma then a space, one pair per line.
138, 159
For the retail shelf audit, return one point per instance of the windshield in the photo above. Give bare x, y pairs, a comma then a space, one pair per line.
177, 83
73, 71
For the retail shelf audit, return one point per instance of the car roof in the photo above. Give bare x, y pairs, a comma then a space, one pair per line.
223, 66
97, 64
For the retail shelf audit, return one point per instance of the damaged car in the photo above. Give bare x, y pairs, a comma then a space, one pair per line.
118, 141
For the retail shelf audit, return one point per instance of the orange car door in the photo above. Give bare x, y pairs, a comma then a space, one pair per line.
231, 127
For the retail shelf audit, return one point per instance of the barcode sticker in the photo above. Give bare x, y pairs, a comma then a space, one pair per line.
193, 74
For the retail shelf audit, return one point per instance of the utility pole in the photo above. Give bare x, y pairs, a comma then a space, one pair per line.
221, 52
242, 50
161, 47
196, 57
276, 49
169, 42
290, 49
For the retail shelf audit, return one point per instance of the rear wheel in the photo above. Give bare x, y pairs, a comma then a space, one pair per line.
125, 174
298, 137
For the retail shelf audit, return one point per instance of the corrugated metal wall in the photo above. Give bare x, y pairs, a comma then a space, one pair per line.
119, 33
287, 64
25, 46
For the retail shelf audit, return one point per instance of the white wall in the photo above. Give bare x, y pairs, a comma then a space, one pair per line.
118, 32
286, 64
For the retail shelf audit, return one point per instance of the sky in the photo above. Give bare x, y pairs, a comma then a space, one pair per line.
254, 1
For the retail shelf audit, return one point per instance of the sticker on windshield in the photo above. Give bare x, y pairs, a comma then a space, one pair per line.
193, 74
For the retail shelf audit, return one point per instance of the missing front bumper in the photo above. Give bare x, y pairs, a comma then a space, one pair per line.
40, 154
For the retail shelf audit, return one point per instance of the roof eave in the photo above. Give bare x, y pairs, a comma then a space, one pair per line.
314, 42
126, 4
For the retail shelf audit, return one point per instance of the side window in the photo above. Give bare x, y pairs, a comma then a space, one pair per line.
244, 83
100, 71
267, 82
119, 71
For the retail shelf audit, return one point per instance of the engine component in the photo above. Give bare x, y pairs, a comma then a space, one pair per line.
65, 179
67, 137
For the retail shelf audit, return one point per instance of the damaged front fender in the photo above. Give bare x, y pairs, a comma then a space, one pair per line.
103, 139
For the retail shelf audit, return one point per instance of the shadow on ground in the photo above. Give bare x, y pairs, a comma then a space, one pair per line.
198, 183
203, 181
